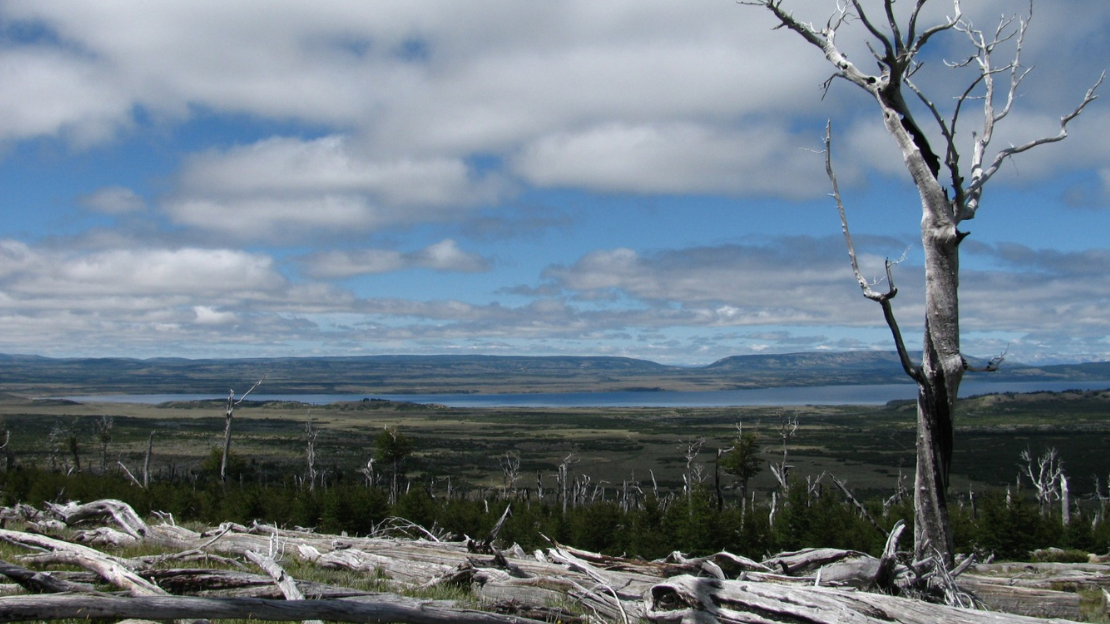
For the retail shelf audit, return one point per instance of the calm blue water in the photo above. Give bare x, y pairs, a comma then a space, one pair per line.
813, 395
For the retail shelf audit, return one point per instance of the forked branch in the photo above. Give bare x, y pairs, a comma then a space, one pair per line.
981, 171
882, 298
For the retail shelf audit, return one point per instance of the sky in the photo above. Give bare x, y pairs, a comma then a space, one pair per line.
572, 177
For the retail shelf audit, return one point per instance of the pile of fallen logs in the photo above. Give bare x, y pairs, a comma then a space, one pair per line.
558, 583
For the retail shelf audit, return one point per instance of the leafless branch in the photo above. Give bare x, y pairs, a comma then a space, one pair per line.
875, 32
1046, 476
991, 366
984, 47
131, 476
883, 299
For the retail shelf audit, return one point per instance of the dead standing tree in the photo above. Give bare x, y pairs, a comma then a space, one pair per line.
232, 403
895, 45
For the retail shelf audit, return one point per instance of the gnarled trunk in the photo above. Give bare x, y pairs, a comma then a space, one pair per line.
941, 371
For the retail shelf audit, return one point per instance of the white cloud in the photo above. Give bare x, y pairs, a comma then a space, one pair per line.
290, 185
64, 279
675, 159
445, 255
276, 218
655, 87
793, 281
681, 301
411, 115
113, 200
207, 315
49, 92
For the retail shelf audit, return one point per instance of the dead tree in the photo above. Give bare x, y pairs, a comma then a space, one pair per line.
392, 448
510, 471
562, 478
1046, 473
64, 444
787, 430
9, 459
310, 433
232, 403
693, 471
146, 460
103, 432
950, 190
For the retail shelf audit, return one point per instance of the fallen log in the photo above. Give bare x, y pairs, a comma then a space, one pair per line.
109, 568
286, 583
39, 582
808, 559
121, 512
234, 584
690, 600
609, 588
998, 595
382, 609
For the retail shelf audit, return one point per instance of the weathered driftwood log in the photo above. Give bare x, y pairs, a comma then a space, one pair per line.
109, 568
998, 595
674, 564
39, 582
286, 583
105, 536
72, 513
693, 600
808, 559
612, 588
1046, 575
232, 583
99, 606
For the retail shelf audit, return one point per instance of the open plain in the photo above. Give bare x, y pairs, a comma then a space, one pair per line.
867, 446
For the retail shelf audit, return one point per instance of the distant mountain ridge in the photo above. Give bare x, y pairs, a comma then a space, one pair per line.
426, 374
814, 360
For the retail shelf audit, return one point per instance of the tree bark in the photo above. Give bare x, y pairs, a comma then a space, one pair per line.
90, 607
942, 366
695, 600
895, 47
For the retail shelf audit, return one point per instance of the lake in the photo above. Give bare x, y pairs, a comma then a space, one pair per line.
877, 394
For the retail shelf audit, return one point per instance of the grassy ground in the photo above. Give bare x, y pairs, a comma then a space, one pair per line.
868, 446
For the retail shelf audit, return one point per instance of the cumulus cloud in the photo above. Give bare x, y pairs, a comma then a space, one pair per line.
641, 81
113, 200
1038, 291
678, 304
61, 278
787, 281
359, 119
674, 159
445, 255
289, 185
49, 92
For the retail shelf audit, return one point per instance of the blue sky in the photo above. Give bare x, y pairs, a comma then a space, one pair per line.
252, 179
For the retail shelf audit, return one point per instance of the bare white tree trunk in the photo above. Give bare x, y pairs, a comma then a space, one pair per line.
894, 46
231, 404
146, 460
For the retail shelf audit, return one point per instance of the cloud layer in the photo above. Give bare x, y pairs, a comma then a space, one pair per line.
340, 177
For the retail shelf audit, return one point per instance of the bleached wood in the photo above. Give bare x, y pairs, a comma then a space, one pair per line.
894, 47
377, 610
108, 568
690, 599
73, 513
285, 582
39, 582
